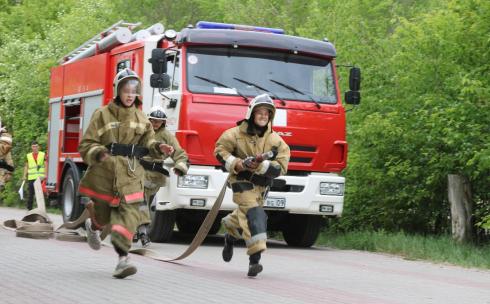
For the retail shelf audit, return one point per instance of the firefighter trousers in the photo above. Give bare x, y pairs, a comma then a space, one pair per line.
248, 220
124, 220
144, 207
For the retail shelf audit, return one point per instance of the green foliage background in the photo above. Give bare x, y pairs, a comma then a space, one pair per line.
425, 111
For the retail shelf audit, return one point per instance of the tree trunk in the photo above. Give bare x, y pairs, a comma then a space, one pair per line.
459, 194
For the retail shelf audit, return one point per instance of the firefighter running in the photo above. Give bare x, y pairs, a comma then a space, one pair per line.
155, 172
250, 179
6, 163
117, 136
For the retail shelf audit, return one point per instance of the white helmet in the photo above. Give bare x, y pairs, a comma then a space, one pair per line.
261, 100
123, 76
157, 113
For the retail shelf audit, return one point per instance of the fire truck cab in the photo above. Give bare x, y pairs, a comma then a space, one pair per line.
204, 77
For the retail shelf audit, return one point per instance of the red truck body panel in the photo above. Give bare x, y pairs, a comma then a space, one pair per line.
316, 135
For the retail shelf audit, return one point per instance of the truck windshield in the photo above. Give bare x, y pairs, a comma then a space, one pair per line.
268, 69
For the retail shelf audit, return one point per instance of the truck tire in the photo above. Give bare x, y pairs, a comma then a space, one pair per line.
162, 225
189, 221
69, 198
301, 230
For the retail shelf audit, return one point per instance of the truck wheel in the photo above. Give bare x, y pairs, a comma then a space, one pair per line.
162, 225
301, 230
70, 200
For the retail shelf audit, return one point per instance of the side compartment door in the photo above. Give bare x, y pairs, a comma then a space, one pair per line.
90, 104
54, 127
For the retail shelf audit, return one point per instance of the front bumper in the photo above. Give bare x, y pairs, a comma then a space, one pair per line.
307, 201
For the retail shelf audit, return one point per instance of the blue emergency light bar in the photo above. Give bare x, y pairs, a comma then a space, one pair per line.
227, 26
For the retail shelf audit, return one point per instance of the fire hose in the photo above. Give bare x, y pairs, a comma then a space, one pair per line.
36, 224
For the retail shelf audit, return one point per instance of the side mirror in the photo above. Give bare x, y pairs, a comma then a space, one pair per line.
161, 81
355, 79
353, 97
158, 61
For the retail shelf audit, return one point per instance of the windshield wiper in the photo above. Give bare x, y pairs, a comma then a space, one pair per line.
287, 86
260, 88
222, 85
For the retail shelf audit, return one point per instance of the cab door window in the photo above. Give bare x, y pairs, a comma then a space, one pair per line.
173, 69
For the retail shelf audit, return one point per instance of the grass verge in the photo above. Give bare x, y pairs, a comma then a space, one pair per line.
440, 249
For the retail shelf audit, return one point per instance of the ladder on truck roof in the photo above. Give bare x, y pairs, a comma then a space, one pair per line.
97, 38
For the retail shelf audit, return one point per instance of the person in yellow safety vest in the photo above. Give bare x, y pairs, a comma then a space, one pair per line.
35, 167
6, 163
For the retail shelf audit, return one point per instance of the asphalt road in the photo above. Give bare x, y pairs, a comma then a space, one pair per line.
51, 271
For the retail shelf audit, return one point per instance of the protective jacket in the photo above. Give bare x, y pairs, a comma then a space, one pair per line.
236, 143
155, 179
5, 143
5, 157
118, 177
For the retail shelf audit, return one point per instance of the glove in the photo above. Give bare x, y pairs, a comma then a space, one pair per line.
178, 172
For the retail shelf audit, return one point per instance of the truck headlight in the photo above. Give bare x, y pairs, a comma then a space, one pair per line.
331, 188
193, 181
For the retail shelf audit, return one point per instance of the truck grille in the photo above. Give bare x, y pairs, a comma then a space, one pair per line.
297, 149
300, 159
302, 148
287, 188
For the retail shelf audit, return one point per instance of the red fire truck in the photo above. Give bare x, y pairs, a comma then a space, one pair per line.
204, 77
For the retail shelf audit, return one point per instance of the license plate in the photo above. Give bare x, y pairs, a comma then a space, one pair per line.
275, 202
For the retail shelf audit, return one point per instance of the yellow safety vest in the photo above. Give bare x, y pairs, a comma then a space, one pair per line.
34, 169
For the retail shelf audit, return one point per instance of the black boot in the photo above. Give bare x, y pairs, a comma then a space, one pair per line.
228, 249
143, 236
254, 268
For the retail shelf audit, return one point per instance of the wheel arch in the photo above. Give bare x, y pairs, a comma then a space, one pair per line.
77, 168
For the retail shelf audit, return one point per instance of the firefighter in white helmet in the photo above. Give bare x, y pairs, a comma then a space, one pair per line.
117, 136
6, 163
238, 149
155, 176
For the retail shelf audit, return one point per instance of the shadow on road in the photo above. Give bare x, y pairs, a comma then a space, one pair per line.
216, 240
